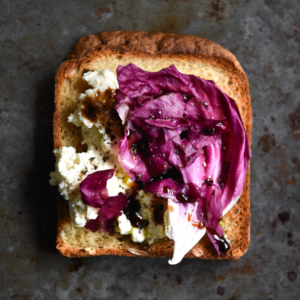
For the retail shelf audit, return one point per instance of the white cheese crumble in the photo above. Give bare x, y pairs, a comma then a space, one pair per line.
95, 132
102, 154
153, 231
101, 80
72, 168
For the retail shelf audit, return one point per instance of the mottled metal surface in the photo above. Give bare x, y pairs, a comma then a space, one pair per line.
35, 36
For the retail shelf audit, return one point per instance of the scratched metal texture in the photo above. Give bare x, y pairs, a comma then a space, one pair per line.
35, 37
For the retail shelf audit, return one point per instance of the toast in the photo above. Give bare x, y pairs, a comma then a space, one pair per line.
151, 52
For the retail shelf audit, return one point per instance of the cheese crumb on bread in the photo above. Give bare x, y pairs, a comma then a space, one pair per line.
102, 154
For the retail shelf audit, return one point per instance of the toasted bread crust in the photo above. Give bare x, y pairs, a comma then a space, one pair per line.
156, 46
154, 43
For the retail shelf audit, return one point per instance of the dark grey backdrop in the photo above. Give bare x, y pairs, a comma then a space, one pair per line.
35, 37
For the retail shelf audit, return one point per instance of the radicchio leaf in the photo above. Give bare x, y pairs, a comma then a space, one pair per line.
210, 208
93, 187
108, 213
94, 193
110, 210
183, 228
192, 126
177, 192
93, 225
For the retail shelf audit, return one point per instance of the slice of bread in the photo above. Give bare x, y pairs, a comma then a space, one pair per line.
151, 52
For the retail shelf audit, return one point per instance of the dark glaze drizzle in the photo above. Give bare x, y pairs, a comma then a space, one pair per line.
92, 110
182, 197
159, 206
139, 148
101, 108
172, 173
132, 213
208, 131
184, 135
132, 210
220, 241
158, 214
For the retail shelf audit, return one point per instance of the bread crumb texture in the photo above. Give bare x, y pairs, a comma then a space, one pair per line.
226, 73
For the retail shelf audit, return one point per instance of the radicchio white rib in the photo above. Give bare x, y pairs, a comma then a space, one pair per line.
183, 122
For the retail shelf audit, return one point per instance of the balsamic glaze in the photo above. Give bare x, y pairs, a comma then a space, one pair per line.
208, 131
132, 213
114, 115
97, 108
220, 241
184, 135
158, 214
208, 180
172, 173
159, 206
92, 110
139, 148
135, 148
132, 210
181, 197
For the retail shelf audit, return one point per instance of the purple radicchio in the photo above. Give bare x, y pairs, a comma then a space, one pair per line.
181, 122
94, 193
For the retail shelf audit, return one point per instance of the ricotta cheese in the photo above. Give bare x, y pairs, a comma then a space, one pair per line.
95, 132
71, 168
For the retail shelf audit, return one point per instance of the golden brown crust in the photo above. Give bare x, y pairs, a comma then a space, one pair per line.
153, 43
157, 45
